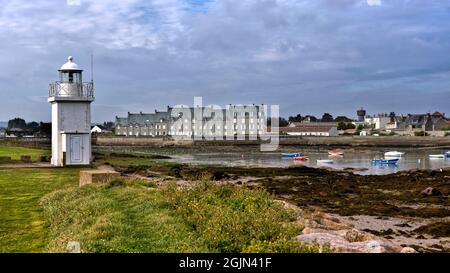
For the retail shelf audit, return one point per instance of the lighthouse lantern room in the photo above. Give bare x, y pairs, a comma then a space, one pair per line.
71, 117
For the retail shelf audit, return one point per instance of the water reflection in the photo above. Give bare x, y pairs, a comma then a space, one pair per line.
358, 161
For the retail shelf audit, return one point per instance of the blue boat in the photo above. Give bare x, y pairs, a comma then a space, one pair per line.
290, 154
447, 154
385, 161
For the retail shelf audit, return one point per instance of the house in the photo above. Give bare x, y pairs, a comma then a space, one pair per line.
143, 124
378, 122
296, 124
310, 129
365, 132
2, 132
428, 122
97, 129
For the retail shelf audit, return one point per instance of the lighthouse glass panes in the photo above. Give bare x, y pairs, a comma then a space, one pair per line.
70, 77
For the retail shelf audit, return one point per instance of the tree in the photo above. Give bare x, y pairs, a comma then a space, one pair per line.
360, 128
108, 125
33, 125
17, 123
344, 126
282, 122
310, 118
297, 118
342, 118
327, 118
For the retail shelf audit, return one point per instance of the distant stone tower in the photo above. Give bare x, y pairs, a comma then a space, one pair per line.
71, 117
361, 114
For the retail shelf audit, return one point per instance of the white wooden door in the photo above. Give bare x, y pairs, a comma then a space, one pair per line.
76, 154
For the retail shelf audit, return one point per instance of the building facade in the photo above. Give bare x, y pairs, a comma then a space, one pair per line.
195, 122
325, 129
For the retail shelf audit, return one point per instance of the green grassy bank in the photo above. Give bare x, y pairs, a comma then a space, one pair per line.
16, 152
41, 210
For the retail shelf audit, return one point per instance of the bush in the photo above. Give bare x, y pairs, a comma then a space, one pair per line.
231, 219
421, 133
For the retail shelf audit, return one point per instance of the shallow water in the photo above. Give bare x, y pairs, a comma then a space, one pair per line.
360, 161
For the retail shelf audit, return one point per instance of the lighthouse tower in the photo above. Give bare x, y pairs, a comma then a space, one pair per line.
71, 116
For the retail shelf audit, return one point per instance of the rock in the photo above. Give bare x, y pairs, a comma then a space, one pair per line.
25, 158
348, 241
430, 192
327, 222
97, 176
73, 247
355, 235
408, 250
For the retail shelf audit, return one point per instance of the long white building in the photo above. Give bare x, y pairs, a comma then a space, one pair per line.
195, 122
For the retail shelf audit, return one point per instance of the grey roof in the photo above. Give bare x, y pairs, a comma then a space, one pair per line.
416, 119
152, 118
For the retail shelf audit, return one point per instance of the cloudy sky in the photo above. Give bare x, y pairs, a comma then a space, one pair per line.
307, 56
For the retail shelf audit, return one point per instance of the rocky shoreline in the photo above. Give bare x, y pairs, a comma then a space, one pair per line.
387, 213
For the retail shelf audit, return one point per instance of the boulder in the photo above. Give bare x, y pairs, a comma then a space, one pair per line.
430, 192
348, 241
408, 250
97, 176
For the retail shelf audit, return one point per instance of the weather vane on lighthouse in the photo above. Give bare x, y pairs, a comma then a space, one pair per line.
71, 116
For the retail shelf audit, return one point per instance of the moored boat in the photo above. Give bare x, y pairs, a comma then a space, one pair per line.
385, 161
336, 152
437, 156
290, 154
447, 154
301, 158
325, 161
393, 154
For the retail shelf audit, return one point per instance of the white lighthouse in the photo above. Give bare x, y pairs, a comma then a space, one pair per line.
71, 116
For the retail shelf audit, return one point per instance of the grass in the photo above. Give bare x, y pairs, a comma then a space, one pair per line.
127, 216
22, 221
16, 152
117, 217
41, 210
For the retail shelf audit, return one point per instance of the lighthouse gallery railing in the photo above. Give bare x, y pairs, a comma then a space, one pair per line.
59, 89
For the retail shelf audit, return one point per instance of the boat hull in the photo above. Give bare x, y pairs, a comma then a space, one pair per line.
393, 154
384, 161
290, 155
325, 161
437, 156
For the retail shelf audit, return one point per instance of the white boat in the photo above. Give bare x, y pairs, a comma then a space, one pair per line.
393, 154
437, 156
325, 161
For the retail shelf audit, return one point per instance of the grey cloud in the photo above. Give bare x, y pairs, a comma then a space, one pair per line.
308, 56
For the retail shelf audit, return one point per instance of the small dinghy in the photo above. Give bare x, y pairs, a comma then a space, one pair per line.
384, 161
290, 154
336, 152
301, 158
437, 156
325, 161
393, 154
